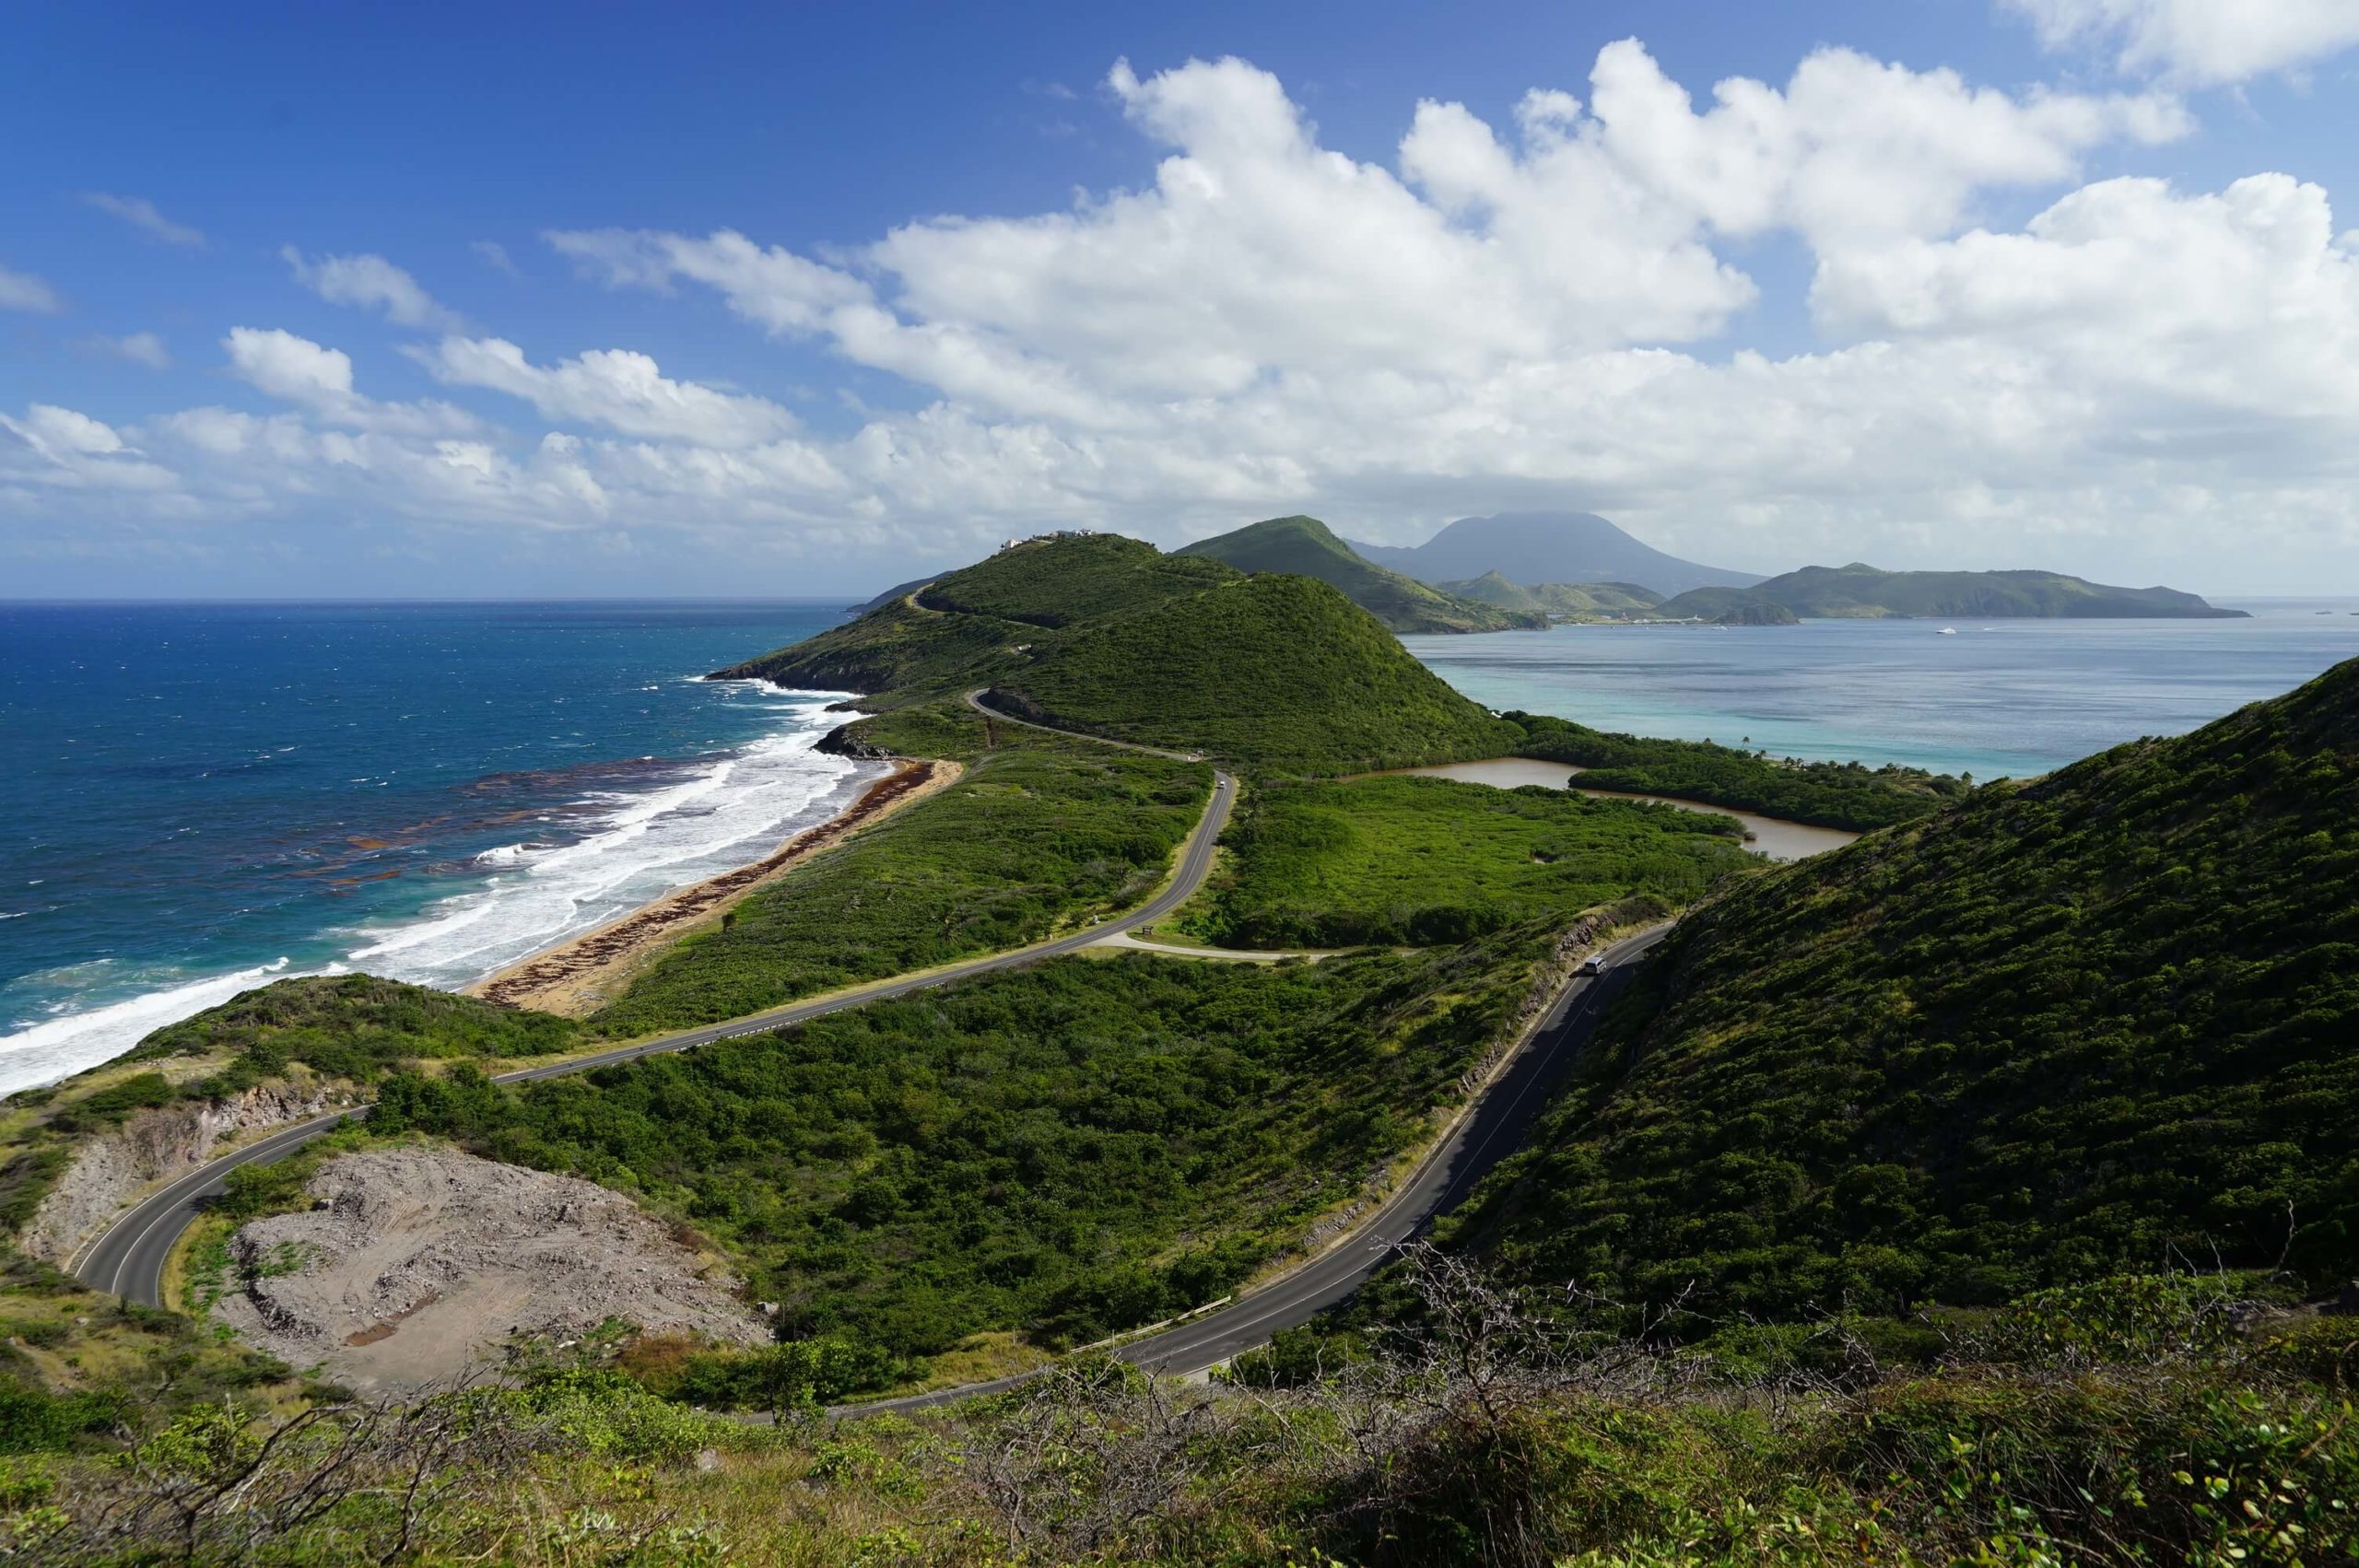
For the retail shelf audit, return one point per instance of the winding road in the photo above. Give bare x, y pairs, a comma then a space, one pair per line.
1490, 1130
128, 1257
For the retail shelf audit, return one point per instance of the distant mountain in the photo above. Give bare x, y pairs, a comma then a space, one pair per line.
1863, 592
1308, 548
1535, 547
1580, 600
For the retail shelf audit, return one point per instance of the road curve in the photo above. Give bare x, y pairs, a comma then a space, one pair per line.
127, 1258
975, 700
1492, 1129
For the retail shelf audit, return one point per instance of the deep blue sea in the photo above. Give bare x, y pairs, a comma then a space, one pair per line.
2004, 699
197, 799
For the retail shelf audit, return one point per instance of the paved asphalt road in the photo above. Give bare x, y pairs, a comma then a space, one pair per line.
128, 1258
1493, 1130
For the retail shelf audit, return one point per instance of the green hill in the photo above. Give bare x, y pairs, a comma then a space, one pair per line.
1859, 592
2106, 1021
1107, 635
1572, 600
1057, 581
1281, 672
1727, 607
1307, 547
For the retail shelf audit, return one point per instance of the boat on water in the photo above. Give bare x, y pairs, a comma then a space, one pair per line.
1948, 631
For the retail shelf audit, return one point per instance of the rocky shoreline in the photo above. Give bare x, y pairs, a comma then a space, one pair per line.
578, 975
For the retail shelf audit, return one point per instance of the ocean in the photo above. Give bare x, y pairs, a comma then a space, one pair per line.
199, 799
2006, 699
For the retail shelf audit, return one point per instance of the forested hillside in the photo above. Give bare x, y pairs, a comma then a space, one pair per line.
2106, 1021
1065, 1148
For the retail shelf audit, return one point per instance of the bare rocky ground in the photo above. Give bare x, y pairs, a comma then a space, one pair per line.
114, 1169
419, 1264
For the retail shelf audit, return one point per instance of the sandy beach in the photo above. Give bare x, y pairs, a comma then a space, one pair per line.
578, 975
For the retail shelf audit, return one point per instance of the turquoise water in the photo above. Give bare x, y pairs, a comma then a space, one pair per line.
1998, 698
200, 798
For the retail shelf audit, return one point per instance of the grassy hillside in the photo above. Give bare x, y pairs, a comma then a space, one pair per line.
1064, 1150
1040, 833
1826, 794
2103, 1021
1858, 591
1481, 1444
1282, 674
893, 655
350, 1026
1570, 600
1107, 635
1307, 547
1390, 859
1057, 581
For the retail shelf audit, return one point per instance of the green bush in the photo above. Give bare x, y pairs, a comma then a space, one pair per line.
33, 1420
1828, 794
109, 1107
353, 1026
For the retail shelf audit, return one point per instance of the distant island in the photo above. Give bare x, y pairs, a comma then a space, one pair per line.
1527, 570
1863, 592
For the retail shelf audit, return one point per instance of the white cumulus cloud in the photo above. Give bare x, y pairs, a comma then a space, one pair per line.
295, 369
60, 448
615, 388
1547, 310
139, 347
371, 283
23, 292
2200, 42
142, 214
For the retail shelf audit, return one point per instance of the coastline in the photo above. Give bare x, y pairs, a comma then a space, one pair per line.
579, 974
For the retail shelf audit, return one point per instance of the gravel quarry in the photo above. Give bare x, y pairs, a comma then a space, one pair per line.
417, 1265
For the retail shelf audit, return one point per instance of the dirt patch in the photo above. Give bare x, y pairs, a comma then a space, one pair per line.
577, 978
417, 1264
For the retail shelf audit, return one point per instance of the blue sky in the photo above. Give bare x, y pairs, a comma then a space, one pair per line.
985, 284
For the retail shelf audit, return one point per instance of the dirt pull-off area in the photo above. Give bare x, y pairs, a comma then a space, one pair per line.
419, 1263
577, 978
